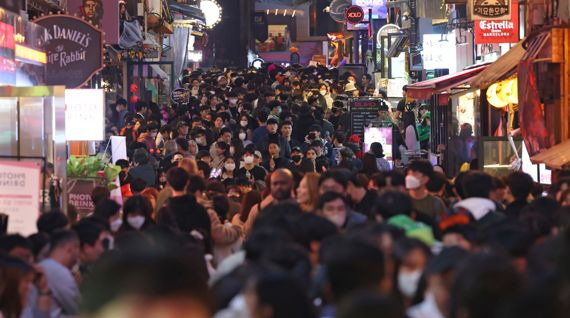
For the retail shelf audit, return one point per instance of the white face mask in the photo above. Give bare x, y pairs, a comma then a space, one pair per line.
412, 182
408, 282
248, 159
136, 221
230, 166
232, 101
323, 92
116, 224
244, 123
242, 136
337, 219
201, 141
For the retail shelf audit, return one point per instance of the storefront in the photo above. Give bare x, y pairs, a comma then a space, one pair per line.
443, 95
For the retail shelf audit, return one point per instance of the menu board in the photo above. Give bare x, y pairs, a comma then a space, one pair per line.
362, 111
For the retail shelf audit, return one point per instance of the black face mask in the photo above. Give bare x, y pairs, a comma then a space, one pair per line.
296, 158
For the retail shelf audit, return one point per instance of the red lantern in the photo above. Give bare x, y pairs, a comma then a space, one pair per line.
134, 88
134, 99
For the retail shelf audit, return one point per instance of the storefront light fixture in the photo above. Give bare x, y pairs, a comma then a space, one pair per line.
493, 98
257, 63
212, 12
195, 56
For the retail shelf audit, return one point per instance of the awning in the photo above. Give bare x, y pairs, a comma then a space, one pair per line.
190, 11
501, 69
554, 157
425, 89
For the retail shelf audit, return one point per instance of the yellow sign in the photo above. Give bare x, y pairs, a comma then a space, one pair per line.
30, 54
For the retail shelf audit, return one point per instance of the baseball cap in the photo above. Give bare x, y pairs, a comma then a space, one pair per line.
272, 121
257, 153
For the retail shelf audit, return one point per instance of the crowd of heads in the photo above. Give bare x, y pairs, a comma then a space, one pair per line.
242, 203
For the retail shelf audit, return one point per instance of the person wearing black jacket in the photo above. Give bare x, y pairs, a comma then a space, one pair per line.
304, 122
273, 136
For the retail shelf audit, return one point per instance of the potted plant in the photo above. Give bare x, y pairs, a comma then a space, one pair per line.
86, 173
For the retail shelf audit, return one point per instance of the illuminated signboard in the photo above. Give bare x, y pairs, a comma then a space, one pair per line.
506, 31
438, 53
84, 114
6, 36
26, 54
379, 9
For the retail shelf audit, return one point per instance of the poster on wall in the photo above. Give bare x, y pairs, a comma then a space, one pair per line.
84, 114
74, 50
20, 195
490, 31
102, 14
491, 9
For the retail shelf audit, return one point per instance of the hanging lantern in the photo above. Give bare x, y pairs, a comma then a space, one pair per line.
134, 99
492, 97
507, 91
134, 88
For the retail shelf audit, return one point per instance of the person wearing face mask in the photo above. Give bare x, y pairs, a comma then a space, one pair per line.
109, 211
137, 214
243, 137
325, 92
249, 169
417, 176
199, 135
232, 99
411, 256
334, 207
228, 171
439, 274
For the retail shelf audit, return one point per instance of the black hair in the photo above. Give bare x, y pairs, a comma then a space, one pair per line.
366, 304
61, 237
520, 184
283, 293
397, 178
10, 242
182, 143
363, 261
140, 105
195, 183
151, 274
138, 185
392, 203
337, 175
329, 197
205, 168
106, 208
51, 221
311, 228
99, 193
137, 204
88, 231
476, 184
177, 178
123, 163
437, 182
422, 166
486, 284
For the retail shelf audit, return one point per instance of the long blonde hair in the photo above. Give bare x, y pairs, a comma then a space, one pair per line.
189, 165
312, 179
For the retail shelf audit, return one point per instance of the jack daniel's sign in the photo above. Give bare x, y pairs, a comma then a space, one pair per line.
74, 50
491, 9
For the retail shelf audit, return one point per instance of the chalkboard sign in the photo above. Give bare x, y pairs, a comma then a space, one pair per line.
362, 111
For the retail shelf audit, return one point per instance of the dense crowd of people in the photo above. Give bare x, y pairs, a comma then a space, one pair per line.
254, 200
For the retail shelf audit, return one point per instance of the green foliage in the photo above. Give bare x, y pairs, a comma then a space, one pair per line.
91, 167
